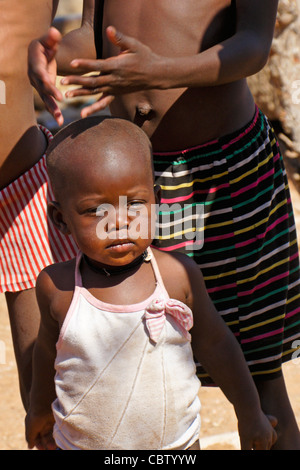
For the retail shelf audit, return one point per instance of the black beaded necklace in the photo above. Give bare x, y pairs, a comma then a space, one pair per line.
121, 269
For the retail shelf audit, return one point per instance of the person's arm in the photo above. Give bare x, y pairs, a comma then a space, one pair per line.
52, 54
139, 68
79, 42
218, 351
39, 420
54, 8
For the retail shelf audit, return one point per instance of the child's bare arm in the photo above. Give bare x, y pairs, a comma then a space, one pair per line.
51, 55
39, 420
220, 354
139, 68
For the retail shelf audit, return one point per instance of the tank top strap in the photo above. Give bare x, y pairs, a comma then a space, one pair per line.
159, 281
78, 278
157, 274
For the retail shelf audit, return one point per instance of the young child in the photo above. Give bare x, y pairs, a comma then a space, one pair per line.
179, 70
115, 320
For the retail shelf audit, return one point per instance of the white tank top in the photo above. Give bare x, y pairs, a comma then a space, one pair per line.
116, 387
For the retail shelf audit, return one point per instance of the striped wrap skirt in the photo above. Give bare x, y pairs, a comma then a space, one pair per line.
227, 205
28, 240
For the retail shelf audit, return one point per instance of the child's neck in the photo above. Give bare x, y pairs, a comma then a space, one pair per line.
112, 271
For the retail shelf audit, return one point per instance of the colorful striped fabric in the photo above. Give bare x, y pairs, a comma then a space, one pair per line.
28, 240
230, 209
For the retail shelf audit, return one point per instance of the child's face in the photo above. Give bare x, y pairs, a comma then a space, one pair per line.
111, 211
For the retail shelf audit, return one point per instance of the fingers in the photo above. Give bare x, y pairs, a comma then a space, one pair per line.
245, 445
274, 438
99, 105
53, 109
256, 445
46, 442
91, 85
265, 439
273, 420
30, 440
43, 50
42, 70
51, 41
43, 84
91, 65
91, 81
265, 443
51, 38
41, 80
125, 43
39, 432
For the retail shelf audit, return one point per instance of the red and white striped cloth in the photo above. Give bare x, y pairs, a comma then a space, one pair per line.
28, 240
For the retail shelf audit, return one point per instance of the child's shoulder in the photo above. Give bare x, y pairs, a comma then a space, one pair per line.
174, 259
177, 270
57, 277
55, 289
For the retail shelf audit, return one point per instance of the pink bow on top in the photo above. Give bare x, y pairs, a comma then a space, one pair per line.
155, 317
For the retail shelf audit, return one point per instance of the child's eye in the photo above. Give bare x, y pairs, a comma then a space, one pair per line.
103, 210
134, 207
100, 212
90, 211
136, 204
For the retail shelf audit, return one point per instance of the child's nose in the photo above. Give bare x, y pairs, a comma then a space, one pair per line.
121, 218
118, 218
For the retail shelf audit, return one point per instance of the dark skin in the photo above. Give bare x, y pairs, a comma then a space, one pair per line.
165, 69
22, 145
20, 23
182, 85
76, 212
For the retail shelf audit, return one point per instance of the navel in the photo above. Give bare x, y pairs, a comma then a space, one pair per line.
144, 109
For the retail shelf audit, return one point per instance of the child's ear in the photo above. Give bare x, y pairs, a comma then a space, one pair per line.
56, 216
157, 193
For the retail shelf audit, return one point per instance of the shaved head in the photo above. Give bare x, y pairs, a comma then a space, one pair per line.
109, 142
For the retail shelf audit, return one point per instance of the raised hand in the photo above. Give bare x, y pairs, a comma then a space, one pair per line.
42, 71
135, 68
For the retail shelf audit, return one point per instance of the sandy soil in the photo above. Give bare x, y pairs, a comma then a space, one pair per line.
218, 419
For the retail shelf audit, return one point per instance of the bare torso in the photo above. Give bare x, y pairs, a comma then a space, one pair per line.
176, 119
22, 144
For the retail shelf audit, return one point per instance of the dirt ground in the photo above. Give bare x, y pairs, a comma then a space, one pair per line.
218, 419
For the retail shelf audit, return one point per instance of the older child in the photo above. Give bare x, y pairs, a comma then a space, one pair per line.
178, 70
28, 241
115, 321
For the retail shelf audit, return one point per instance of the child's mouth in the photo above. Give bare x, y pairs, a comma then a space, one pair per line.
120, 246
